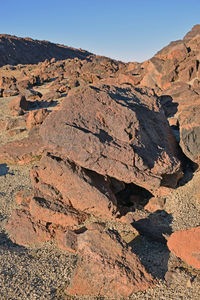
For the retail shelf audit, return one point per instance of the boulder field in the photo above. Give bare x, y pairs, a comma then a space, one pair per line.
102, 139
106, 138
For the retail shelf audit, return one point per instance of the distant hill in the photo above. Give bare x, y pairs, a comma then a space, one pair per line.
15, 50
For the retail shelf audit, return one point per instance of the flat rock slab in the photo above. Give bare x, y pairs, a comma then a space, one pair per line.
22, 151
186, 245
73, 186
114, 131
106, 266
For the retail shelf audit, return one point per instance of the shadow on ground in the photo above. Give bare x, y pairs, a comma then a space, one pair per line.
7, 244
3, 169
150, 245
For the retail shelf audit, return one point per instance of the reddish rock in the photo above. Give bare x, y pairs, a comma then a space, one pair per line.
22, 151
85, 190
23, 197
31, 95
24, 84
67, 240
8, 87
192, 33
15, 131
36, 117
154, 204
173, 122
48, 215
24, 231
175, 50
18, 105
114, 132
3, 125
106, 267
186, 245
187, 115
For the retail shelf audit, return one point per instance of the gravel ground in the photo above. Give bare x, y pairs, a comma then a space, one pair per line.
43, 273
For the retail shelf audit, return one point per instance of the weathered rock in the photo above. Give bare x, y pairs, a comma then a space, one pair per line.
22, 151
31, 94
8, 86
15, 123
155, 203
186, 245
45, 221
187, 113
18, 105
23, 197
85, 190
24, 231
192, 33
52, 95
67, 240
106, 266
15, 50
36, 117
24, 84
116, 132
40, 212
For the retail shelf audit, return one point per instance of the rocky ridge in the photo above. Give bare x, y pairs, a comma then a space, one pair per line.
15, 50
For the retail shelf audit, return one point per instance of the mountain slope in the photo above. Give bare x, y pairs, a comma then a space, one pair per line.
15, 50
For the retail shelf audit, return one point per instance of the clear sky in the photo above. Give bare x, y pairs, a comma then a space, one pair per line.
128, 30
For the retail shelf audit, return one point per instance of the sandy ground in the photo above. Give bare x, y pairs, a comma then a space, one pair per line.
44, 272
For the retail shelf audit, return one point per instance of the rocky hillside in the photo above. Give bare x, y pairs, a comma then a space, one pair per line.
112, 151
15, 50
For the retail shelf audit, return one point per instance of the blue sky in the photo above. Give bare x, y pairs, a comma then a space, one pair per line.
122, 29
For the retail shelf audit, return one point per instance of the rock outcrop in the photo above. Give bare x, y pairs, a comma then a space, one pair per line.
100, 139
174, 74
114, 132
109, 145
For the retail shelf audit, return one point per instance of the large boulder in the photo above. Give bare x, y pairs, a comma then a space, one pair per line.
116, 132
182, 101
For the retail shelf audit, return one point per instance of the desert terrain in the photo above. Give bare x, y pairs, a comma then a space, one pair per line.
99, 172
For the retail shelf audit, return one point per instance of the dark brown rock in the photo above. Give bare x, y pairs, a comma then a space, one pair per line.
16, 50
